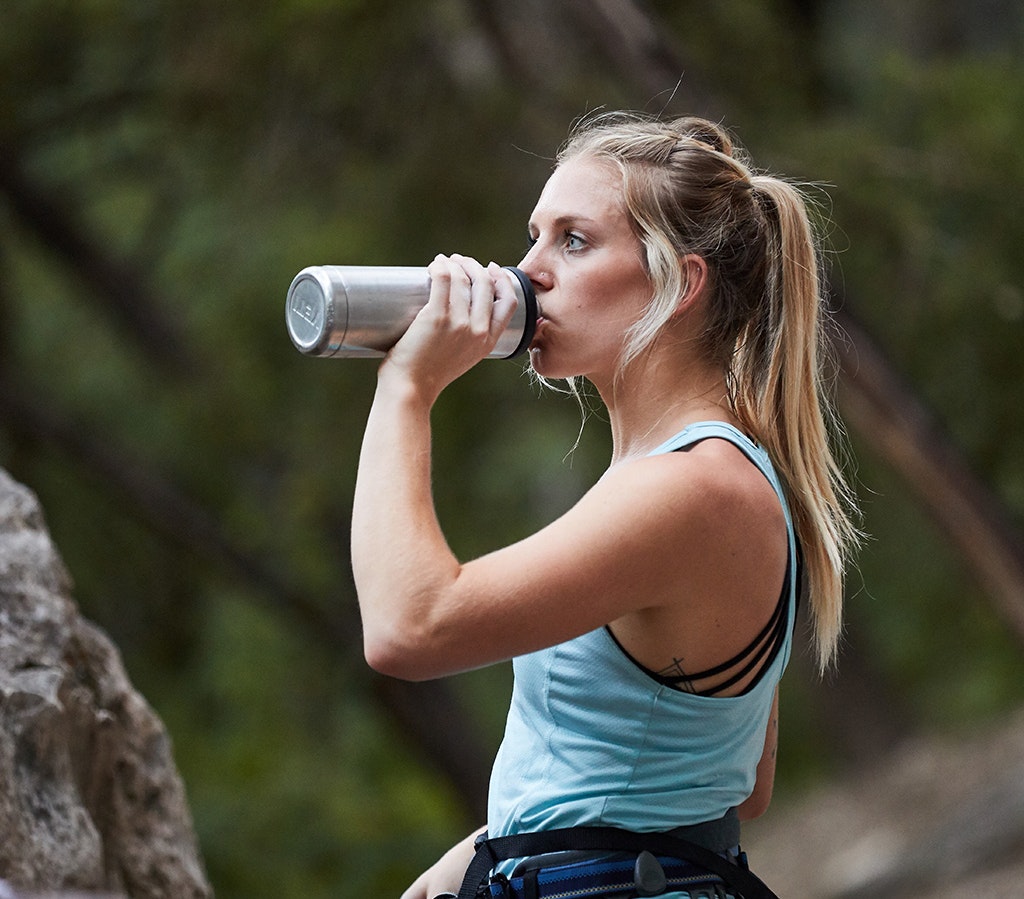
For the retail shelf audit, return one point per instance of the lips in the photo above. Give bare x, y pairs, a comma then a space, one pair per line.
538, 330
541, 317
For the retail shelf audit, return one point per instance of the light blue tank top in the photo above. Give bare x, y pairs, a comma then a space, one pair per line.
592, 739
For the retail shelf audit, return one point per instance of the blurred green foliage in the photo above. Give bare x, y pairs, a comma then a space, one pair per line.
211, 150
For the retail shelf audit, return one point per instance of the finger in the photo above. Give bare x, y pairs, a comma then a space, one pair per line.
505, 298
460, 299
450, 288
440, 282
482, 293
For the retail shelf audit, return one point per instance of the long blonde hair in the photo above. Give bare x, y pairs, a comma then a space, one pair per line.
689, 190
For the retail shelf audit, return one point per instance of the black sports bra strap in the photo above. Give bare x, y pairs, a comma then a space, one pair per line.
756, 657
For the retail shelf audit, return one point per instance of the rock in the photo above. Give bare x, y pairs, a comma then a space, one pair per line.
90, 799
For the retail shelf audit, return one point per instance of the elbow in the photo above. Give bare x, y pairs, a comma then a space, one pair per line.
386, 657
389, 654
412, 639
756, 804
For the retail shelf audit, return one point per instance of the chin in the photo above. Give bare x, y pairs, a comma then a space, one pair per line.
545, 366
555, 367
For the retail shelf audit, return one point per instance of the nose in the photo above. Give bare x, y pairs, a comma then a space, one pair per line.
531, 266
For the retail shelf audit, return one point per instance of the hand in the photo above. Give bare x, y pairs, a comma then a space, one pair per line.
446, 874
468, 309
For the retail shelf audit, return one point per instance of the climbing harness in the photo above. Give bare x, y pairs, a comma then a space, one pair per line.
628, 864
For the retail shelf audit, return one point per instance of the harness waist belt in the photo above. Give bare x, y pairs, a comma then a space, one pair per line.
645, 847
635, 875
719, 835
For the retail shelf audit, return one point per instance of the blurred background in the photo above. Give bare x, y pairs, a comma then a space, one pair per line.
167, 167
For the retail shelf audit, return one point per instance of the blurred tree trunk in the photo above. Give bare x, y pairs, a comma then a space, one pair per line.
123, 292
893, 420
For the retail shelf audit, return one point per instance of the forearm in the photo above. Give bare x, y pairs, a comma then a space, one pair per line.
400, 559
446, 874
404, 571
757, 803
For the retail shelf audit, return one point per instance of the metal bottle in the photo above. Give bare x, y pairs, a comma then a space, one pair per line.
359, 311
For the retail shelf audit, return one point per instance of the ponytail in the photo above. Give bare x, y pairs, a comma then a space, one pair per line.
778, 394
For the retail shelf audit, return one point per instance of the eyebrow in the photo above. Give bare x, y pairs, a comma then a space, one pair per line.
567, 219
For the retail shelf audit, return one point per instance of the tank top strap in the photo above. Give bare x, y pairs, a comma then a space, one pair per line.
702, 430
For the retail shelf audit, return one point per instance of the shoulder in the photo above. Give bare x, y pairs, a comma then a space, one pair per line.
708, 513
713, 476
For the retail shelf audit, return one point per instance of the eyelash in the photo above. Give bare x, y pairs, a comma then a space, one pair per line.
569, 236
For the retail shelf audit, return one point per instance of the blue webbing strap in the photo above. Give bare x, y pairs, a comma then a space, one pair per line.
491, 851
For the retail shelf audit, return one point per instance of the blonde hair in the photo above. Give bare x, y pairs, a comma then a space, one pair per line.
689, 190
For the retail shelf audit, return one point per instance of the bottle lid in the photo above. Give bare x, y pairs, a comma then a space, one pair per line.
308, 314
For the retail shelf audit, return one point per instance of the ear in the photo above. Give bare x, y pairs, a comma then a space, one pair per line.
695, 279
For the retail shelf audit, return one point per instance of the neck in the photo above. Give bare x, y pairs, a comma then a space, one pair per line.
655, 399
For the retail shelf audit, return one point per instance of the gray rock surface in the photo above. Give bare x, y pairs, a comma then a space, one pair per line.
90, 799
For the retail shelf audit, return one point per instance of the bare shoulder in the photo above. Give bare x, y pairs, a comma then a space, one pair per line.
712, 483
717, 522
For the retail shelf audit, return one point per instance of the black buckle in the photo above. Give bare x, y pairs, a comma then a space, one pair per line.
648, 875
499, 880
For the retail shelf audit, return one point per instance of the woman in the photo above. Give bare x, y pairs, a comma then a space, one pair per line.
650, 624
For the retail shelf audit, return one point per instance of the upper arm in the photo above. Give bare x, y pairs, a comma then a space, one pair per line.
643, 536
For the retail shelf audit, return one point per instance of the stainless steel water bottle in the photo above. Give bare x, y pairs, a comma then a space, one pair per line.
354, 311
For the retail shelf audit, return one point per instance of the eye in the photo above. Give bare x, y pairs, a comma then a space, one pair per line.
531, 241
574, 241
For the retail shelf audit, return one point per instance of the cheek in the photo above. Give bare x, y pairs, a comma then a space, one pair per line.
606, 301
626, 297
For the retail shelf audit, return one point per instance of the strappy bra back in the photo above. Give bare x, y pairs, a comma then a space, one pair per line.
749, 665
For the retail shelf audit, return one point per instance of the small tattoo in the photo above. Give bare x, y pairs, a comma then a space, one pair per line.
673, 670
680, 679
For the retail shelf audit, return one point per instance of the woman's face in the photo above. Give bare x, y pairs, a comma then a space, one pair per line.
587, 268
